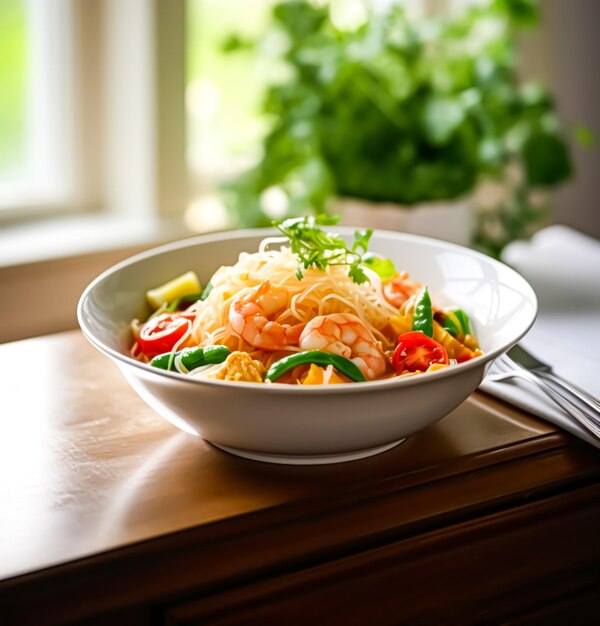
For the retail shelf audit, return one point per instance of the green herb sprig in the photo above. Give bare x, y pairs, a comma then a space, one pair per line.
315, 248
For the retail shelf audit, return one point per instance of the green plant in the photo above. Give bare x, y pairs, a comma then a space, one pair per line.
407, 110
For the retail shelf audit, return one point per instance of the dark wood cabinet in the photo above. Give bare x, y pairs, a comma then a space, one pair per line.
493, 569
111, 516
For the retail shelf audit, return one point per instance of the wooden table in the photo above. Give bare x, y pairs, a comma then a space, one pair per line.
109, 515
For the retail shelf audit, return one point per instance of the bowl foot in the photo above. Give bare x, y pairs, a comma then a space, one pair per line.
309, 459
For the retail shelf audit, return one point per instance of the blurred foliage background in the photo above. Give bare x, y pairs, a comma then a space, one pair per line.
293, 104
390, 102
224, 92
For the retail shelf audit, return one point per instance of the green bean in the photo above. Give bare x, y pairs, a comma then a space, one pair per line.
423, 316
342, 364
456, 322
191, 358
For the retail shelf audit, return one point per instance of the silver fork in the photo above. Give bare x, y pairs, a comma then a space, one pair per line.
507, 368
526, 360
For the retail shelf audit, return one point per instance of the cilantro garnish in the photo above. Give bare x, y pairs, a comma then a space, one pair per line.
315, 248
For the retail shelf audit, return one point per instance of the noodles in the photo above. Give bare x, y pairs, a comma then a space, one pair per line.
318, 293
333, 321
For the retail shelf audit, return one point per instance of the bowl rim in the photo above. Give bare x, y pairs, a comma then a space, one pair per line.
372, 385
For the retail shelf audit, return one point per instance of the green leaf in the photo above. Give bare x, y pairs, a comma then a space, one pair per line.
490, 150
357, 274
521, 12
361, 240
315, 248
441, 117
400, 110
584, 136
300, 19
235, 43
532, 94
547, 160
384, 268
327, 220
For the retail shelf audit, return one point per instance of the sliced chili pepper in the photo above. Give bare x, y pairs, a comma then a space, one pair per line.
423, 316
342, 364
192, 358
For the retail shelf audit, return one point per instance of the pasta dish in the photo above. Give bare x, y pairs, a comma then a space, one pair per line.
303, 309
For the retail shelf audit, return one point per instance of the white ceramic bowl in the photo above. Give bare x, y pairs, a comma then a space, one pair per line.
312, 424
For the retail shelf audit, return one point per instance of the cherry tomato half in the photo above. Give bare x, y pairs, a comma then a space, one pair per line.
416, 352
161, 333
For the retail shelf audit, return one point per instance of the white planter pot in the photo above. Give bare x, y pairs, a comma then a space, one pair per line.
450, 220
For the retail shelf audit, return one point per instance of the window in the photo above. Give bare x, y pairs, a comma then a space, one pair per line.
223, 99
36, 160
95, 97
13, 70
92, 108
92, 113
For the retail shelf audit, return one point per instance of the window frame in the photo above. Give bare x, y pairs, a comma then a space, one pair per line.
118, 78
46, 176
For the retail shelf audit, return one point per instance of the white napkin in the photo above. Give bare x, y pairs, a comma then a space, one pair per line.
563, 267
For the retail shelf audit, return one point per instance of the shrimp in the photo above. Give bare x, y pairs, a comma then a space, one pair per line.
399, 289
250, 317
346, 335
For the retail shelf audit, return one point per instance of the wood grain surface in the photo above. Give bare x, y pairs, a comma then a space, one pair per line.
95, 489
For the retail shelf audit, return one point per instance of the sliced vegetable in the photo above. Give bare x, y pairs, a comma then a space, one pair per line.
423, 316
463, 318
384, 268
401, 323
456, 350
159, 334
191, 358
192, 297
342, 364
318, 375
416, 352
456, 322
187, 283
450, 323
207, 290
